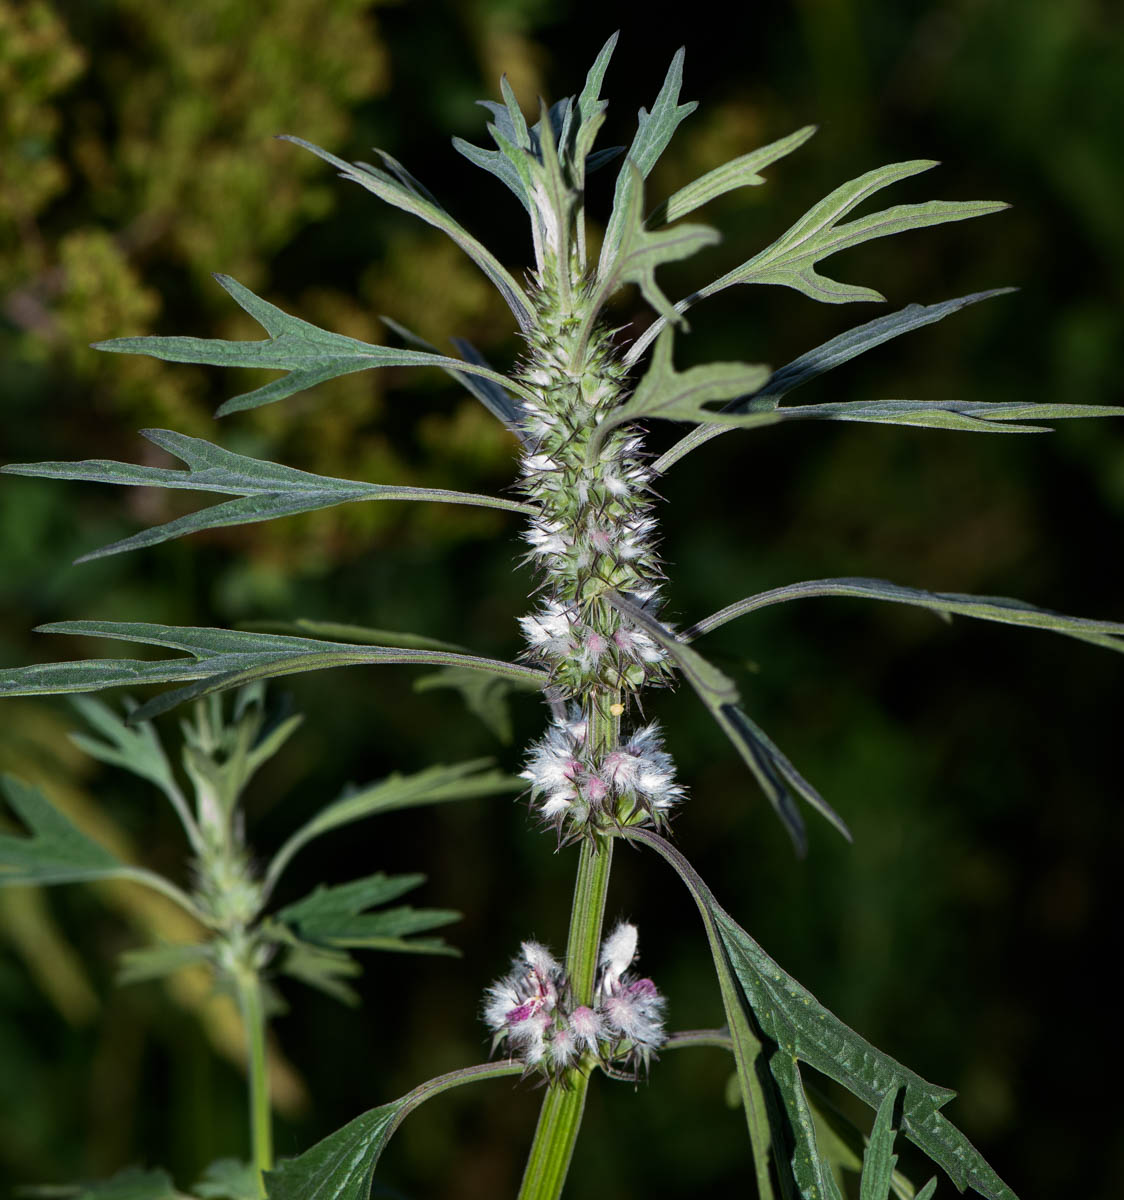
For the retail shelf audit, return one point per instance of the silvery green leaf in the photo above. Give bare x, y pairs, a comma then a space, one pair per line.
654, 131
970, 416
342, 1165
228, 1179
802, 1029
831, 354
267, 489
591, 116
879, 1160
155, 962
669, 395
339, 918
638, 251
486, 390
1002, 609
219, 659
56, 850
434, 785
777, 777
744, 171
400, 189
496, 163
791, 260
309, 354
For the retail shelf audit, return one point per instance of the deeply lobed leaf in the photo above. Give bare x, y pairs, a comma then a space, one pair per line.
220, 659
309, 354
55, 850
268, 489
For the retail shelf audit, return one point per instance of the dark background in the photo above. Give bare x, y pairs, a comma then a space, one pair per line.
969, 931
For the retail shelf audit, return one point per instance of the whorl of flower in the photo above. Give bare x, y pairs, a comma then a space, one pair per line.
580, 792
592, 533
530, 1011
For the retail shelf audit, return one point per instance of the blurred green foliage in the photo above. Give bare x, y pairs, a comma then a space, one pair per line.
967, 930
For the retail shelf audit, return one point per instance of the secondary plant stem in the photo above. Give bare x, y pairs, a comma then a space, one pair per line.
248, 985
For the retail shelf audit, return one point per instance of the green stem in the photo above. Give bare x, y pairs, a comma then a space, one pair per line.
561, 1115
248, 985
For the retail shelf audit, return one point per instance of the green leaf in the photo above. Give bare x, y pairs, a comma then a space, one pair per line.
810, 1168
811, 365
342, 1166
337, 917
791, 260
310, 355
591, 114
228, 1179
880, 1159
268, 489
654, 131
1109, 634
57, 851
638, 251
737, 173
669, 395
802, 1029
134, 747
155, 962
338, 632
434, 785
777, 777
219, 659
400, 189
133, 1183
842, 1144
968, 416
486, 696
316, 966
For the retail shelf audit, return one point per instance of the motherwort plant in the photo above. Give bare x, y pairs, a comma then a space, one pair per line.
578, 401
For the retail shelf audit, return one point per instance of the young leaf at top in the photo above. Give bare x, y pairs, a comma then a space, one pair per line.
1109, 634
802, 1030
338, 917
309, 354
342, 1165
791, 260
220, 659
653, 133
737, 173
56, 850
777, 777
268, 490
400, 189
637, 253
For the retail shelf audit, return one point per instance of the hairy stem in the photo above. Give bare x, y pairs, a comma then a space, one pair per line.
561, 1113
248, 986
